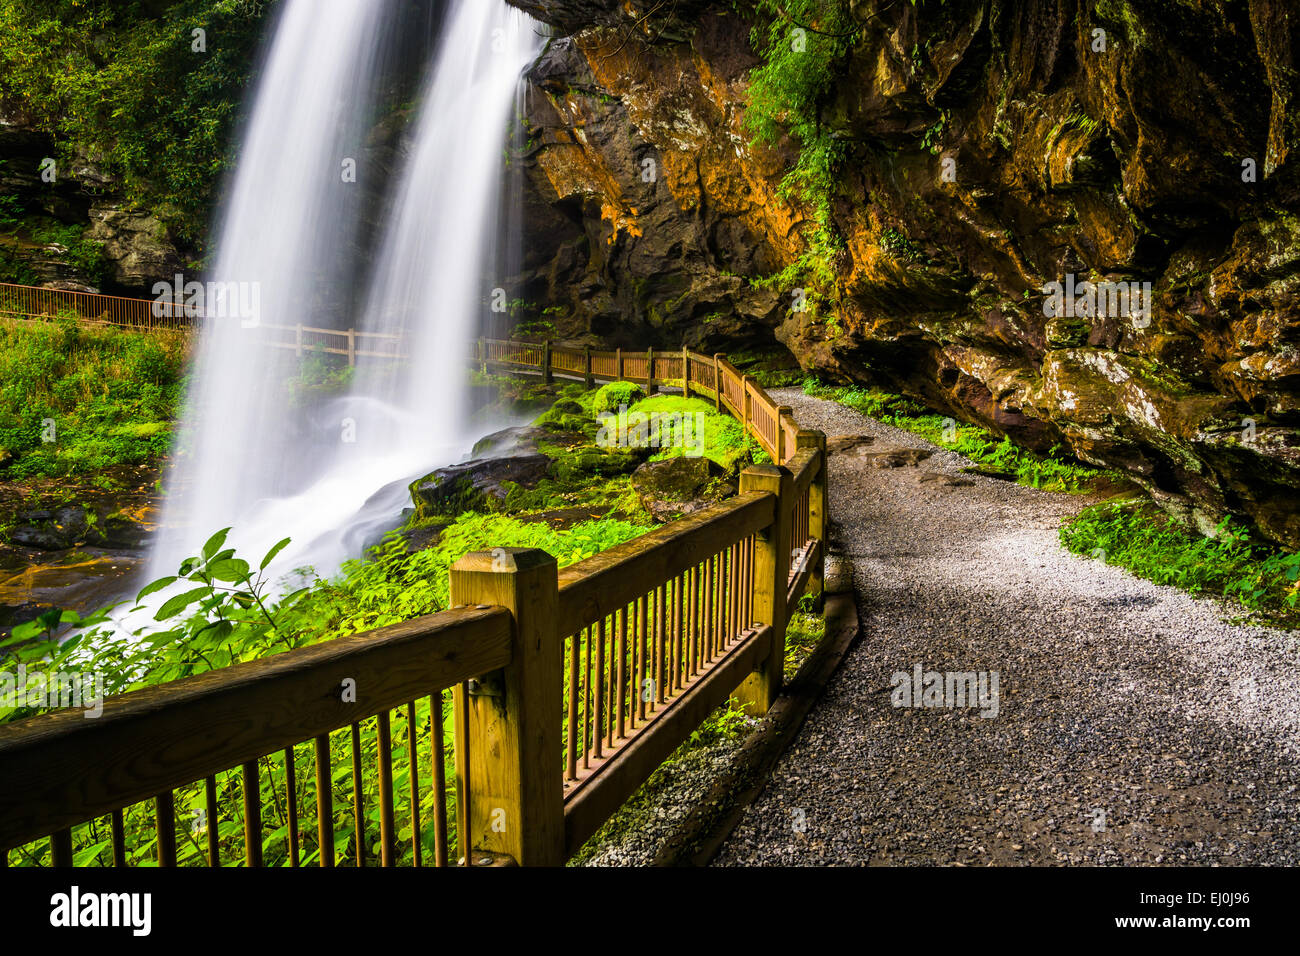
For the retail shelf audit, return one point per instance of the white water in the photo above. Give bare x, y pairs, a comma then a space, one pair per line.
328, 476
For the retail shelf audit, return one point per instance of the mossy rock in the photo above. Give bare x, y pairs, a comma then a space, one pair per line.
616, 395
520, 438
478, 485
678, 486
587, 462
565, 416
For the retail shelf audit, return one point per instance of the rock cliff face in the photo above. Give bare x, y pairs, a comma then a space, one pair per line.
134, 248
992, 147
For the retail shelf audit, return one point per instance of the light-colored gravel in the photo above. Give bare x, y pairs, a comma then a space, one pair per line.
1118, 697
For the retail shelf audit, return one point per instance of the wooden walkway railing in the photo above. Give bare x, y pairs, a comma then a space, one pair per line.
567, 688
710, 376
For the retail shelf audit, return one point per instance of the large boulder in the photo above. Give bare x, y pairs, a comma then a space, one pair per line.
136, 245
482, 484
71, 526
673, 487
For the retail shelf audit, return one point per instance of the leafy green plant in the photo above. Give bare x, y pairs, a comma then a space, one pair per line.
119, 82
1137, 536
804, 44
75, 398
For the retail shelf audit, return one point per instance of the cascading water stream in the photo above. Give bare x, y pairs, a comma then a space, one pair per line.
329, 475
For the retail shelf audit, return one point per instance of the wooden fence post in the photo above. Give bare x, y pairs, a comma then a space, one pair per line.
482, 355
771, 579
618, 364
782, 412
590, 379
717, 381
686, 372
746, 410
297, 348
352, 347
650, 387
818, 521
547, 378
512, 722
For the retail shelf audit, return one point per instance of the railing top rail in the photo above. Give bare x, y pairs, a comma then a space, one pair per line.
88, 295
592, 589
63, 768
805, 465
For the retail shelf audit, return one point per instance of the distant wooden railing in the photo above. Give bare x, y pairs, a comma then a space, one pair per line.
32, 302
711, 376
567, 688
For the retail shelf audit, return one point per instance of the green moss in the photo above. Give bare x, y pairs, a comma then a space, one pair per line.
774, 368
805, 46
803, 632
609, 398
1122, 12
719, 436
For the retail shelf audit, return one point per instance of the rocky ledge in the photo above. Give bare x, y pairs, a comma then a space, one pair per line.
991, 147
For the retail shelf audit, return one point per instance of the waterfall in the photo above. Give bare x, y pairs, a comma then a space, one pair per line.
255, 454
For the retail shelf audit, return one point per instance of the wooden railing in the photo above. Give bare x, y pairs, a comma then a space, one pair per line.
710, 376
567, 688
32, 302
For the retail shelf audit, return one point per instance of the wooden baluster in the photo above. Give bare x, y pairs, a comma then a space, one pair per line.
252, 815
61, 848
324, 801
598, 732
165, 824
291, 805
575, 689
119, 839
439, 781
622, 672
387, 828
358, 804
213, 832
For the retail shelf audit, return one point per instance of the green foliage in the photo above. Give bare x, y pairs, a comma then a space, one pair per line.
393, 584
217, 611
85, 255
118, 81
804, 44
1135, 535
609, 398
110, 395
721, 438
803, 632
991, 454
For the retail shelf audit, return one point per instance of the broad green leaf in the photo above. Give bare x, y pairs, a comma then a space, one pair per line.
233, 570
25, 632
270, 555
178, 603
214, 543
155, 586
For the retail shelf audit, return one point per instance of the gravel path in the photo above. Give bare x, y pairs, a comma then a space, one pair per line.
1133, 724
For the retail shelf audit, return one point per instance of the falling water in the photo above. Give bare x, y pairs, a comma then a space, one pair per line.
328, 474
